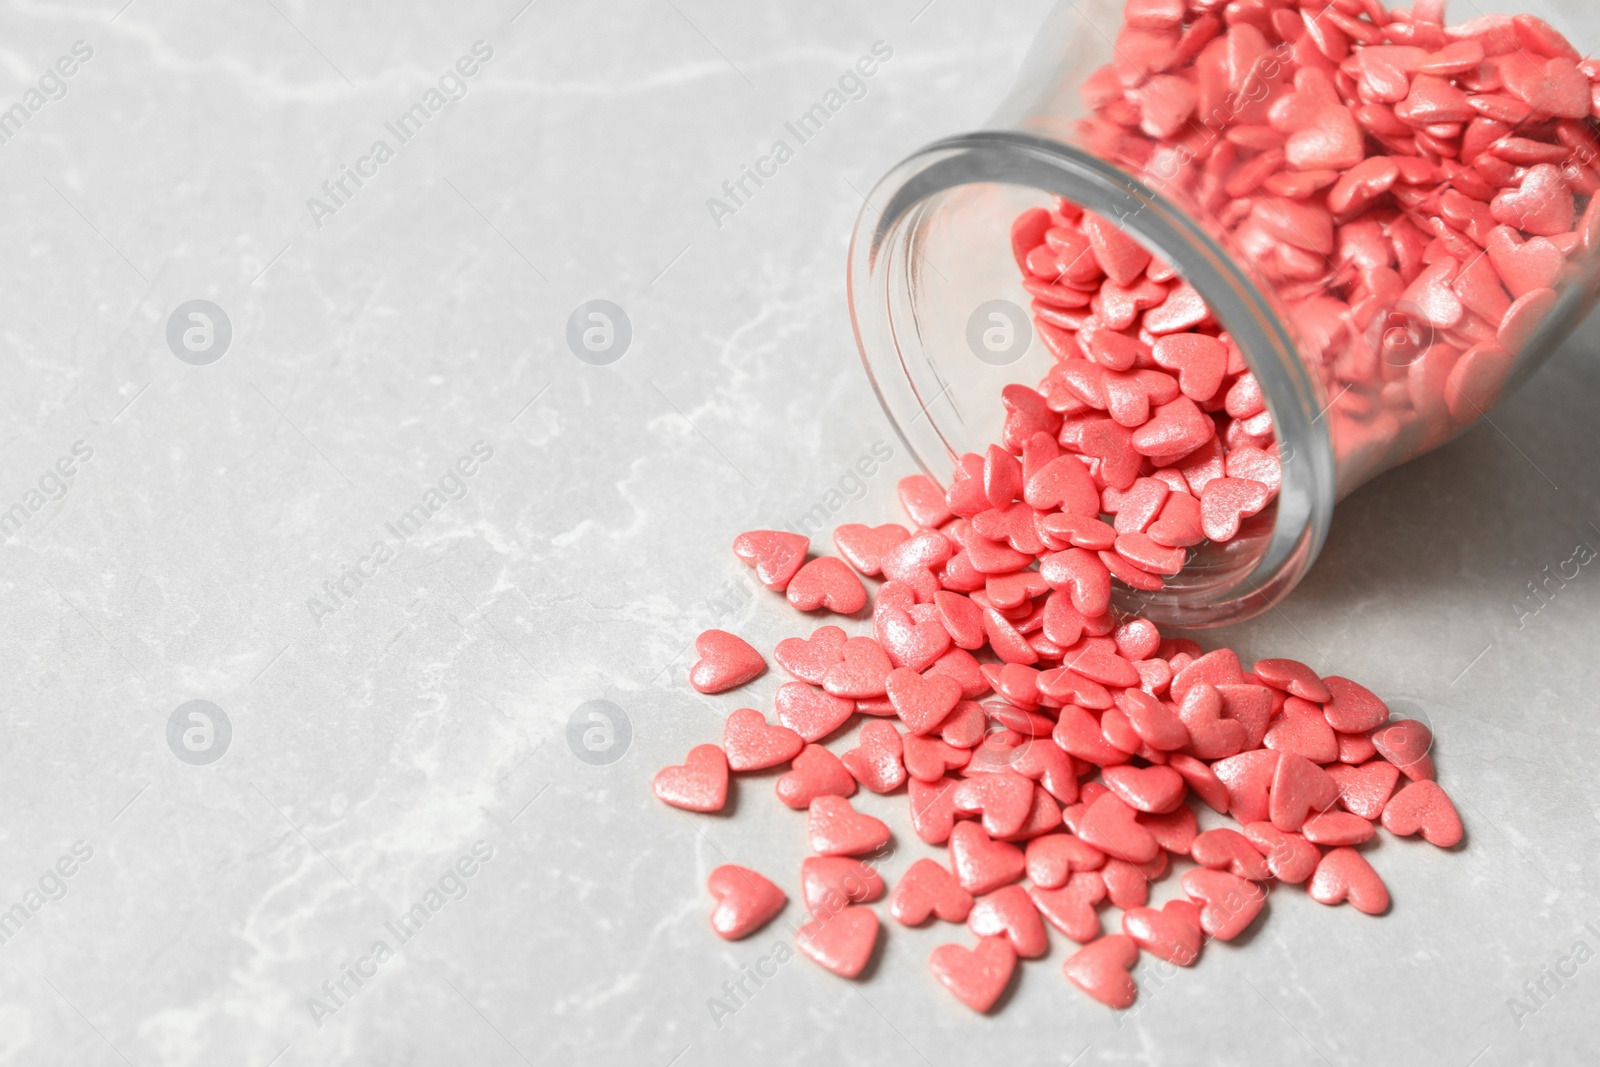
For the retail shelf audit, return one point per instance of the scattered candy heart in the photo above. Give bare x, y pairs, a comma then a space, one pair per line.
927, 889
826, 582
837, 829
775, 554
1010, 913
1173, 933
981, 863
753, 744
1423, 806
830, 883
816, 772
811, 713
1344, 874
977, 976
843, 942
1228, 903
725, 662
876, 761
1101, 968
700, 783
746, 901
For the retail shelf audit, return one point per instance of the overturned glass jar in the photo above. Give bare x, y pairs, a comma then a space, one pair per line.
1390, 221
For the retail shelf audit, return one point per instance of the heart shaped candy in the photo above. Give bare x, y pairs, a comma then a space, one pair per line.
1078, 733
831, 883
1200, 361
1226, 502
700, 783
1063, 484
1211, 737
875, 762
860, 672
810, 658
912, 561
1290, 857
928, 889
809, 712
1053, 858
1172, 934
965, 726
1202, 780
1009, 912
826, 582
1248, 779
916, 644
933, 812
1004, 799
1405, 743
864, 546
1152, 789
1050, 766
837, 829
1127, 884
1300, 789
725, 662
1220, 667
922, 702
1333, 828
1082, 575
1229, 850
1353, 708
1524, 266
1101, 967
1070, 908
752, 744
977, 976
746, 901
1110, 825
1174, 830
928, 758
1355, 748
1228, 903
1344, 874
775, 554
1541, 205
842, 943
1423, 806
1332, 141
923, 500
1365, 789
1302, 729
816, 772
981, 863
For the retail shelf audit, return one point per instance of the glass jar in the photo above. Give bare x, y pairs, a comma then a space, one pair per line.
1354, 380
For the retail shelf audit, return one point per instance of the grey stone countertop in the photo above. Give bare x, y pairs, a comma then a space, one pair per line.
396, 536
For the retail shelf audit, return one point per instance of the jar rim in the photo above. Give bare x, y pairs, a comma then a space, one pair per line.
904, 371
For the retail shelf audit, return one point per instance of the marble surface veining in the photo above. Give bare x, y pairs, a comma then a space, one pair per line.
398, 536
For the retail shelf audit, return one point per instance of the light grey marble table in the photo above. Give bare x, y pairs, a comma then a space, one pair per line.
397, 536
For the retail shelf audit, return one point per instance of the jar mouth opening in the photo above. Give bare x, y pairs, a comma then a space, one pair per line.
931, 251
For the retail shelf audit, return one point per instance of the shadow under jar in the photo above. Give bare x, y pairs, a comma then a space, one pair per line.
1389, 218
